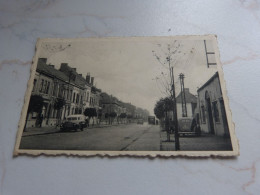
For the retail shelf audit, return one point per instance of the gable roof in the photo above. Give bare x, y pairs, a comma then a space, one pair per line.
190, 98
209, 81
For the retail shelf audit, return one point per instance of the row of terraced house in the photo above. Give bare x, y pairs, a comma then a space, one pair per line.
66, 92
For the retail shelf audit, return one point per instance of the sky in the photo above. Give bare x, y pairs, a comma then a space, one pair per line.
134, 69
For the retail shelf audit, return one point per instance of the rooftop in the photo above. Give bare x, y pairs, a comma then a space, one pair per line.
190, 98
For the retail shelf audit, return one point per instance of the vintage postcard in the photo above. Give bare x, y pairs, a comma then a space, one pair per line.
134, 96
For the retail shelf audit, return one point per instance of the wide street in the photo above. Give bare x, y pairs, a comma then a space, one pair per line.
133, 137
128, 137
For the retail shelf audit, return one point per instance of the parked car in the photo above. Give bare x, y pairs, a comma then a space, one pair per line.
140, 121
188, 126
74, 122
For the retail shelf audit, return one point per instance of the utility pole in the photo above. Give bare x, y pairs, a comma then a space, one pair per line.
183, 98
176, 132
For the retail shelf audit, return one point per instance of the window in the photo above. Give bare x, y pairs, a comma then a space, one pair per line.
87, 96
70, 95
68, 110
34, 84
90, 101
44, 87
59, 90
67, 95
54, 92
216, 111
47, 88
77, 99
203, 116
73, 97
41, 88
63, 93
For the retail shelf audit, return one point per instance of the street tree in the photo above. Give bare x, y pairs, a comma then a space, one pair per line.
122, 116
112, 115
106, 117
168, 59
90, 113
159, 109
58, 105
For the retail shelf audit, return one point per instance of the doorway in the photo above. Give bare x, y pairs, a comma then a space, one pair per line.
210, 116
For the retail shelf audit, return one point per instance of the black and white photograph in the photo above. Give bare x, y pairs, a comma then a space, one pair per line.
155, 96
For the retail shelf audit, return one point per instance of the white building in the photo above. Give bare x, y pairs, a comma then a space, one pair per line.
211, 106
191, 104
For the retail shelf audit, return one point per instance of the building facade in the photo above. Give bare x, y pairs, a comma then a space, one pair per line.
64, 92
191, 104
211, 106
48, 83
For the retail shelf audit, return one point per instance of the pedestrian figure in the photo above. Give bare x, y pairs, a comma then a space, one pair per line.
195, 127
40, 120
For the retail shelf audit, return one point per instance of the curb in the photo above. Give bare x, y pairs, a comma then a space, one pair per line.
45, 133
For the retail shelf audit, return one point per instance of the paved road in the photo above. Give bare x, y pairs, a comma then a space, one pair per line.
130, 137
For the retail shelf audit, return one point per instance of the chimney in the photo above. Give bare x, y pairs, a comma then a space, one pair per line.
63, 67
74, 69
92, 80
88, 78
42, 60
51, 65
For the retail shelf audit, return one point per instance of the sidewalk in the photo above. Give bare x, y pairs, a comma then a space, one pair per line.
164, 144
205, 142
40, 131
31, 131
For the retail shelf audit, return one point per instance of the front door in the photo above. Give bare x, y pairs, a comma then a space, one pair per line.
210, 116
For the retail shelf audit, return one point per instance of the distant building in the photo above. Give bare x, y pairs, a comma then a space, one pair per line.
141, 113
211, 108
191, 103
110, 104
